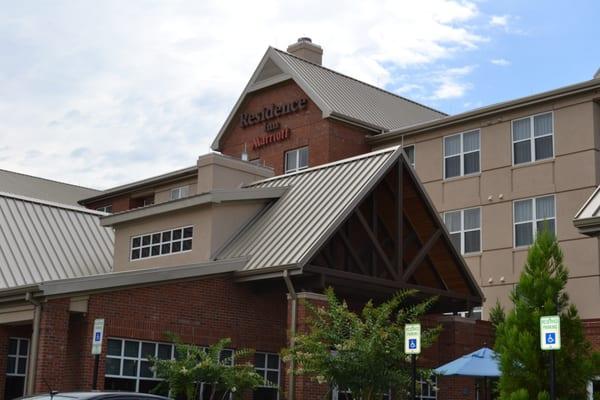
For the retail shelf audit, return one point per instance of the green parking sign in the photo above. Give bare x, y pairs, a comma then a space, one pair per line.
550, 332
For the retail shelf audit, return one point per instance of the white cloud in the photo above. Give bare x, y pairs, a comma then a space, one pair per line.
500, 62
102, 93
451, 83
499, 20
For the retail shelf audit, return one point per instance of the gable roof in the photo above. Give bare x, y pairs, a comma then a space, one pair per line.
44, 189
44, 241
337, 95
316, 201
587, 219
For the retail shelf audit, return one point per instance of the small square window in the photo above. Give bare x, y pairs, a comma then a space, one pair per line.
296, 160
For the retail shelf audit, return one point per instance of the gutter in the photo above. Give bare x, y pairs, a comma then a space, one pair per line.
488, 111
33, 348
294, 297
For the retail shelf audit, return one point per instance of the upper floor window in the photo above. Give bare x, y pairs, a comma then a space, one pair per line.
268, 366
532, 138
410, 153
465, 229
461, 154
180, 192
106, 209
162, 243
532, 216
296, 159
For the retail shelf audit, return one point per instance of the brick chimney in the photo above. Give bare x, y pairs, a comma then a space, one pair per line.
306, 49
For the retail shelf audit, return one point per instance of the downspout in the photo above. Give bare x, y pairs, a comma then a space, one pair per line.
294, 299
33, 348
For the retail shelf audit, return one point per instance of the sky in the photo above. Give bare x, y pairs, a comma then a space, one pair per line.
101, 93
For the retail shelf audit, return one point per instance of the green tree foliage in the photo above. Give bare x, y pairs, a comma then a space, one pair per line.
360, 352
194, 365
540, 292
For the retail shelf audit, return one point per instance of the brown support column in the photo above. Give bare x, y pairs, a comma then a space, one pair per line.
305, 388
52, 351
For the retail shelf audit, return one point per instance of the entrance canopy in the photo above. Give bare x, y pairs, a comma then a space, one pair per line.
364, 225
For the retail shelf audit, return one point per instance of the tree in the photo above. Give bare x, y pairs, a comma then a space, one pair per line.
360, 353
194, 365
539, 292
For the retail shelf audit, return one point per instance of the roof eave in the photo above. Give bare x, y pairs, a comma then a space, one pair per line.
164, 178
214, 197
118, 280
493, 109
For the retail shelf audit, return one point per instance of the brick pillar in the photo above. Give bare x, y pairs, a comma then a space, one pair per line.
52, 349
305, 388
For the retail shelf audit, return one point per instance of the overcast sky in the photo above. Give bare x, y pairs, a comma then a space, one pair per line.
100, 93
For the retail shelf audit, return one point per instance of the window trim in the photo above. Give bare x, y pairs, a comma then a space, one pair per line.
17, 357
106, 209
266, 370
139, 360
463, 231
297, 169
534, 219
179, 190
461, 154
590, 387
414, 147
171, 253
531, 139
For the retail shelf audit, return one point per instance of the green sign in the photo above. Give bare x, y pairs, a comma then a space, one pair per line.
550, 332
412, 338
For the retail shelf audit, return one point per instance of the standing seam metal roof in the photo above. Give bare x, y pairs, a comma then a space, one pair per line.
358, 100
316, 199
43, 241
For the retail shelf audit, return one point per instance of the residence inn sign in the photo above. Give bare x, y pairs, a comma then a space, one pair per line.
267, 115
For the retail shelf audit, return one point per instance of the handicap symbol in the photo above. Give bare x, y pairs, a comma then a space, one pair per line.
412, 343
550, 338
97, 336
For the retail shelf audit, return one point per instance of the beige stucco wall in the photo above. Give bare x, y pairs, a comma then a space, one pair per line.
571, 175
213, 225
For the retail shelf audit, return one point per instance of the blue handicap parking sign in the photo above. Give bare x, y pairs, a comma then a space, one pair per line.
412, 343
97, 336
550, 338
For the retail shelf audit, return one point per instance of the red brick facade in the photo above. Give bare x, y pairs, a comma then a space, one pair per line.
327, 140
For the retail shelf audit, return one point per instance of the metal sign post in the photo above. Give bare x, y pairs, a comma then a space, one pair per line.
97, 348
550, 341
412, 346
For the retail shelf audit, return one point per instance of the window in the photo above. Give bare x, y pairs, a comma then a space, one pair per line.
594, 389
180, 192
410, 153
106, 209
428, 388
16, 368
465, 229
295, 160
267, 365
532, 138
461, 154
531, 216
162, 243
127, 366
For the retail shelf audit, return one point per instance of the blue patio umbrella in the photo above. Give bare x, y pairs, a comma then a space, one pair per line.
482, 363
